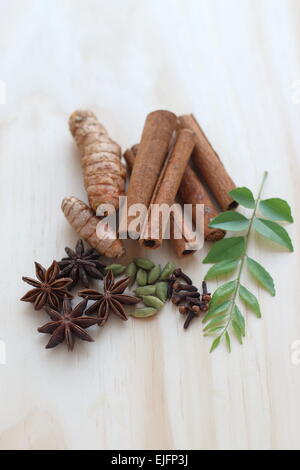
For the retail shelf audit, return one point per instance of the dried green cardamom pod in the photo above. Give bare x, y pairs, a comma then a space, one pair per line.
162, 291
117, 269
154, 274
141, 277
131, 272
144, 312
146, 290
167, 271
144, 263
151, 301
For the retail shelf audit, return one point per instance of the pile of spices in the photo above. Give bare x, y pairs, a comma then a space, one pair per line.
154, 286
187, 296
52, 293
151, 281
174, 162
162, 173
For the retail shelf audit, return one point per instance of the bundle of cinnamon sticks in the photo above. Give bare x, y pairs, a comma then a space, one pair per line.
174, 161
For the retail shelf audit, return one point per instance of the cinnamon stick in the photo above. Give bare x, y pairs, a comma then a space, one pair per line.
209, 165
188, 244
156, 136
167, 187
191, 191
130, 155
183, 247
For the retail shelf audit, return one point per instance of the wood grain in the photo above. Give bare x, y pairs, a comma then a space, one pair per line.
146, 384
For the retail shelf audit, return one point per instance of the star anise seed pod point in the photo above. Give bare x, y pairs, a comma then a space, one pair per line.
68, 324
81, 264
112, 299
47, 289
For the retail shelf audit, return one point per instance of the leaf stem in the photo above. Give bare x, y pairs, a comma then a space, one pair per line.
244, 255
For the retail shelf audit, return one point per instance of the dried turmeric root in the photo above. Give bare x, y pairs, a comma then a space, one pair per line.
83, 220
104, 174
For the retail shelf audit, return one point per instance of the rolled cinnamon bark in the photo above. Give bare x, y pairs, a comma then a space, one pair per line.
167, 186
208, 163
188, 244
191, 191
153, 148
130, 155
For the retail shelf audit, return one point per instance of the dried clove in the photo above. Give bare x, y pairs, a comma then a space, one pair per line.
192, 312
206, 296
187, 297
196, 309
176, 299
191, 315
183, 310
190, 295
171, 281
204, 288
178, 286
203, 305
179, 273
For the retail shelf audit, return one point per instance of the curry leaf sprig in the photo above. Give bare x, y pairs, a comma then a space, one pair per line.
231, 254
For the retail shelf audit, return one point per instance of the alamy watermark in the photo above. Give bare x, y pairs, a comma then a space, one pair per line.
2, 92
295, 88
295, 352
2, 353
152, 224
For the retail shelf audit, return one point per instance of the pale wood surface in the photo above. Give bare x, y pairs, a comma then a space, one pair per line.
146, 384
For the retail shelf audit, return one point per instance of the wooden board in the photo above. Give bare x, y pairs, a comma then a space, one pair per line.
146, 384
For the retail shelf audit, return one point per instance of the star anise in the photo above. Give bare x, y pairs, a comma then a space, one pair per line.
81, 264
68, 324
48, 289
112, 300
